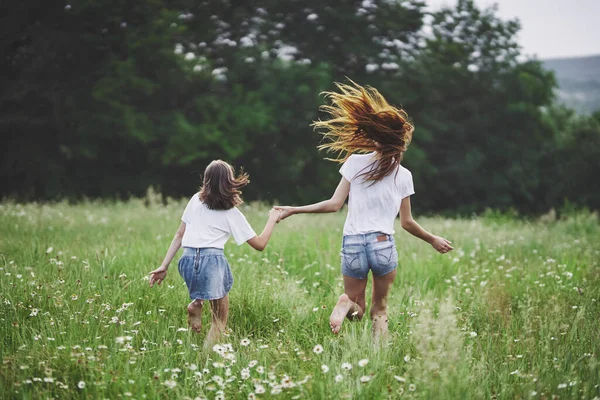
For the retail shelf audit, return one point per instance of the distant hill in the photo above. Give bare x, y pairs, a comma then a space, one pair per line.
578, 80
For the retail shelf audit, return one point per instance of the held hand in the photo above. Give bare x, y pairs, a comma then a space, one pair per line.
274, 215
157, 276
286, 211
441, 245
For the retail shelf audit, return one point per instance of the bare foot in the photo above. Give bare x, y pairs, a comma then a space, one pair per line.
343, 306
195, 315
380, 327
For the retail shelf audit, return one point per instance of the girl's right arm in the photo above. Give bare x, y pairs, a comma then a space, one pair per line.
327, 206
411, 226
159, 274
260, 242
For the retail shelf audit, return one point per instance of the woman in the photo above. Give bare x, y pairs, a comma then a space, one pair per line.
362, 121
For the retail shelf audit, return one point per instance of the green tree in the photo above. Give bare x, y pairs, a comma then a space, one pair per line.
478, 113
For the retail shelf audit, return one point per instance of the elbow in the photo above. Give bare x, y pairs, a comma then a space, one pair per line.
406, 224
335, 206
261, 248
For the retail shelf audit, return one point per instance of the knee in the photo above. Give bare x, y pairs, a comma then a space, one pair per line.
361, 303
195, 305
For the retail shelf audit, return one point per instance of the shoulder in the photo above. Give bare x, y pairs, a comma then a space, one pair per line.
195, 199
234, 212
403, 175
404, 171
235, 215
360, 160
361, 157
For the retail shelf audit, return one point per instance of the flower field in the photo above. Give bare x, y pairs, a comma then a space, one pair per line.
512, 312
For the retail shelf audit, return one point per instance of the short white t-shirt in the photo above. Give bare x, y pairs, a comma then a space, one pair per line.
212, 228
372, 207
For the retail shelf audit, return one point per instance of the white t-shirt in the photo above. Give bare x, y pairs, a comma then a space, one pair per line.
211, 228
372, 207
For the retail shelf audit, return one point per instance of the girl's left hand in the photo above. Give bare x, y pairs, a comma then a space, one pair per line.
157, 276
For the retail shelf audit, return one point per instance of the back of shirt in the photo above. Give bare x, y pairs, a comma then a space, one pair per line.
211, 228
373, 206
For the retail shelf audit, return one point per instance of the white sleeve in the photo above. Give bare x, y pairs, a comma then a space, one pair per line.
188, 209
347, 169
407, 189
239, 227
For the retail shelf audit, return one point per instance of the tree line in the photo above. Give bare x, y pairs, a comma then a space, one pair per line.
106, 98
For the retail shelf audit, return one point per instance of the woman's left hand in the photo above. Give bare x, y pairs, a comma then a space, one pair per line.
441, 245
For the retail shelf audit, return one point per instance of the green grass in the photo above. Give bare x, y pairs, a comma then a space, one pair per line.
512, 312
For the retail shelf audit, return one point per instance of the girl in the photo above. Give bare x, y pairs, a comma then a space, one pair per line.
379, 187
209, 219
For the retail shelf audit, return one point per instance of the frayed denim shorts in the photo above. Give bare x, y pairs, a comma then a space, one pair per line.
373, 251
206, 273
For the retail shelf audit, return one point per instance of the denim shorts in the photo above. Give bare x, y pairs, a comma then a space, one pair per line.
361, 253
206, 273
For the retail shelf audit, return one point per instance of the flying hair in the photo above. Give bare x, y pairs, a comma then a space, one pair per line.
362, 121
221, 189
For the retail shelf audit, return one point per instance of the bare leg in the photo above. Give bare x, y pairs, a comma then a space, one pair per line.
351, 304
381, 288
219, 310
195, 315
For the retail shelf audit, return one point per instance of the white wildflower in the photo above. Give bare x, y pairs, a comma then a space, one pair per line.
170, 384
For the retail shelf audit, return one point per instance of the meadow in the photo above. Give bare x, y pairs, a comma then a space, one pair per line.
512, 312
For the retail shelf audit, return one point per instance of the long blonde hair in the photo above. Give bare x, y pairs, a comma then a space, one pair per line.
362, 121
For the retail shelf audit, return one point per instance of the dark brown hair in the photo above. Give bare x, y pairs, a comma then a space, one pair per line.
221, 188
363, 121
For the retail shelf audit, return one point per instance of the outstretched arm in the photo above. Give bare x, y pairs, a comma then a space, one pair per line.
159, 274
260, 242
327, 206
411, 226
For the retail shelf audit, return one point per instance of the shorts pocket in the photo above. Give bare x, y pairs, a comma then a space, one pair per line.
386, 256
351, 258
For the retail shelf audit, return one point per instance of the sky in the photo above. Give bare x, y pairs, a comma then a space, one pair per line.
549, 28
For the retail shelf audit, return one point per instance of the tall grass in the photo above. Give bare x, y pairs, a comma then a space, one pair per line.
511, 313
